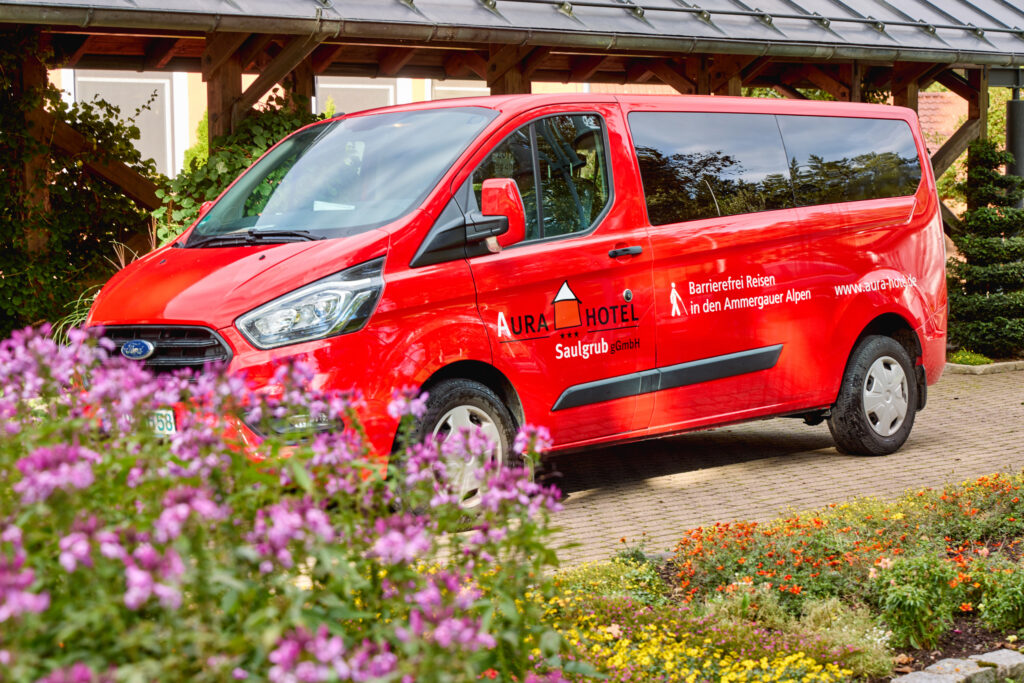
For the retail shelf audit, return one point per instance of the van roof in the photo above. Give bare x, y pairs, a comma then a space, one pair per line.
515, 104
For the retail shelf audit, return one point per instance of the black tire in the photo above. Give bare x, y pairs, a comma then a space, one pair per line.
866, 417
480, 404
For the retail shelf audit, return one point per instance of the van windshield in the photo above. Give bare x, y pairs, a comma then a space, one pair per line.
344, 177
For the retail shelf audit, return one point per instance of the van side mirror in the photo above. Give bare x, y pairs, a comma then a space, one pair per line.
205, 207
500, 197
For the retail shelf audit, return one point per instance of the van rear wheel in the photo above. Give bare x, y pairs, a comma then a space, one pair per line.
877, 402
460, 404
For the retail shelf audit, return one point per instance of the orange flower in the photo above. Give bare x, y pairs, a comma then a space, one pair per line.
490, 673
966, 607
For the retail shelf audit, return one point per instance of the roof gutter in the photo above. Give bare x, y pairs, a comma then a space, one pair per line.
431, 33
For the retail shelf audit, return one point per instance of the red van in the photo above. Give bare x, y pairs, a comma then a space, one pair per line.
613, 267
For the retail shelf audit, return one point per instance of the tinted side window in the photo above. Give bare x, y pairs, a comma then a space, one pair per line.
561, 159
837, 159
699, 165
573, 173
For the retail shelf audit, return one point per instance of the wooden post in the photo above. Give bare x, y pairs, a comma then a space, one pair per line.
505, 72
37, 166
222, 71
303, 80
856, 79
703, 76
977, 108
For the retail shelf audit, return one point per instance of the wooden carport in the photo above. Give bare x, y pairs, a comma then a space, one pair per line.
848, 48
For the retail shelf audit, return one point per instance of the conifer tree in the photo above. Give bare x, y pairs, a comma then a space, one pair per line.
986, 290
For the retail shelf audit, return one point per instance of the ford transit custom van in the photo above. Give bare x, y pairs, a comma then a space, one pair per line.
615, 268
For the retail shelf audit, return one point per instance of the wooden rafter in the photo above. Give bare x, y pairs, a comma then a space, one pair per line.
251, 50
158, 52
788, 91
293, 53
505, 59
673, 74
726, 68
582, 69
532, 63
956, 83
462, 63
638, 71
955, 145
220, 47
323, 56
392, 60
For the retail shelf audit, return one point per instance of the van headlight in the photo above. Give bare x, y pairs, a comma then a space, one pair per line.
337, 304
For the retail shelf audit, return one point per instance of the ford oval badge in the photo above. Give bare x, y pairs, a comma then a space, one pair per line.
137, 349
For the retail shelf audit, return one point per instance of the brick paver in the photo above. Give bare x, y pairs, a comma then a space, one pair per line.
973, 425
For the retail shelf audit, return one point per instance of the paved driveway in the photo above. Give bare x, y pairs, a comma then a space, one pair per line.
973, 425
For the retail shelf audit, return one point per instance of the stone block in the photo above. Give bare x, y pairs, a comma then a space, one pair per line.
926, 677
1008, 663
965, 670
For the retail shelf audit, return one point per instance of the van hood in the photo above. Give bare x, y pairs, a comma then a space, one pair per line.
213, 286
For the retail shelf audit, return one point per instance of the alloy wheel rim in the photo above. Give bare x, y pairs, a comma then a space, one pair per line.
885, 396
466, 475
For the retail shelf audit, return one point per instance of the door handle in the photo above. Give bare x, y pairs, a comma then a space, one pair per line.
625, 251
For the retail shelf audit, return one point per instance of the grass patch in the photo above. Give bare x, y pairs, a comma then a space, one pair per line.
965, 357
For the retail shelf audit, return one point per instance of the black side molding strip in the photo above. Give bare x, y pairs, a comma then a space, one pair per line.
649, 381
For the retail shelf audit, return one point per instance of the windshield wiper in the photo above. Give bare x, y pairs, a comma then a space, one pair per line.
254, 236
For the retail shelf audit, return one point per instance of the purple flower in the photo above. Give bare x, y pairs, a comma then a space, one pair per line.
76, 673
74, 550
407, 401
532, 439
286, 523
400, 539
47, 469
15, 580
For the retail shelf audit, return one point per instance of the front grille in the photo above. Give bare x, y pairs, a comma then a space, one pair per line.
177, 346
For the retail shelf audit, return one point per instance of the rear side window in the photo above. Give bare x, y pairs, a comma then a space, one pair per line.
699, 165
563, 161
836, 159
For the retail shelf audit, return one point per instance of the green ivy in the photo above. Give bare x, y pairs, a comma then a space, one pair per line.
86, 215
986, 289
204, 179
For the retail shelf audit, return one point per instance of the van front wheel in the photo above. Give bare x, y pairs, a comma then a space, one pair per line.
877, 402
459, 405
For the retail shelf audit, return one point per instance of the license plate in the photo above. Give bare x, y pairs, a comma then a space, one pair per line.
162, 422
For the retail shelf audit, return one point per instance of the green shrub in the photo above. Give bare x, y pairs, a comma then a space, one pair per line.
917, 599
1002, 606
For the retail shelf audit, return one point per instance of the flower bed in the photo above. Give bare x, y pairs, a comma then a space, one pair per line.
827, 595
129, 556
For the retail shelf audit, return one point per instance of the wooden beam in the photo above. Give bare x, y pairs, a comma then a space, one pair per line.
297, 49
69, 49
977, 106
673, 75
755, 68
788, 92
826, 81
957, 84
223, 88
392, 60
158, 52
323, 56
462, 63
950, 223
955, 146
220, 47
58, 133
638, 71
252, 49
699, 72
582, 69
505, 59
300, 91
856, 82
533, 62
725, 71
